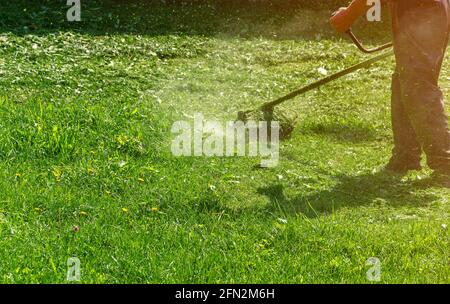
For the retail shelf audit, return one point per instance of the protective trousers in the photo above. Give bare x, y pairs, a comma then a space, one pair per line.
421, 35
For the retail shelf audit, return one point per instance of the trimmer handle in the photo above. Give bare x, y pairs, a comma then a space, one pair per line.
363, 49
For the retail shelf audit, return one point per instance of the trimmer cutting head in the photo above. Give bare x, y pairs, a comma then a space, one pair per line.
269, 114
242, 116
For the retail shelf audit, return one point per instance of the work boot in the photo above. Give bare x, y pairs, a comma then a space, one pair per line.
399, 165
442, 177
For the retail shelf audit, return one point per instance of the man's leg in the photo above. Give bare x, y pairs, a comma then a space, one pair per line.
421, 38
407, 149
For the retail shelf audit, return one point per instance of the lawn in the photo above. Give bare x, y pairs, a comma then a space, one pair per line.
86, 169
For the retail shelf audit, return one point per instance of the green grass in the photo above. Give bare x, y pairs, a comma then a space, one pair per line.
85, 117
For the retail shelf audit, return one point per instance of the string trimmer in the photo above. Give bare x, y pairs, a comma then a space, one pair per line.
286, 124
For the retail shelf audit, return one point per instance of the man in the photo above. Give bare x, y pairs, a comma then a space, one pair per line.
421, 32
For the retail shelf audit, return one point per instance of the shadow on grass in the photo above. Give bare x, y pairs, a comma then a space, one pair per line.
353, 191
